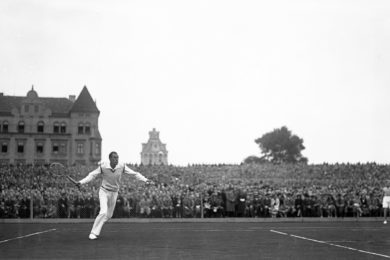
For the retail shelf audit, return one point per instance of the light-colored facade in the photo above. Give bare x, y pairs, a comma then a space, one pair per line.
36, 130
154, 152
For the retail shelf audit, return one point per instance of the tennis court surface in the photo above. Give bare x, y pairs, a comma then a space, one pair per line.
197, 240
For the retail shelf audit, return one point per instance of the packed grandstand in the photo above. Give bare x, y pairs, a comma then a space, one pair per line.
210, 191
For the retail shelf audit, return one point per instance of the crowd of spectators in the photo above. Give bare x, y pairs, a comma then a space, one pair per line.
210, 191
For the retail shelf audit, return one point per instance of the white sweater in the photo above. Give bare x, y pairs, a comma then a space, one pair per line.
112, 177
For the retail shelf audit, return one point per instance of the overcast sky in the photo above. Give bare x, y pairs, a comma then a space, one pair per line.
211, 76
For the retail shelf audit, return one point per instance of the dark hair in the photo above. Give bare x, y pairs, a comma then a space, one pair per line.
109, 156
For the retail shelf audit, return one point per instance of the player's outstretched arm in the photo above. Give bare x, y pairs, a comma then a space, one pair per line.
137, 175
92, 175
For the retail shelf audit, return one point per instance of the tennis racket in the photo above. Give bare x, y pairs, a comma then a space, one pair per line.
59, 170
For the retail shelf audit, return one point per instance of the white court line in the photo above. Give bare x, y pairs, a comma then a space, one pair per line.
29, 235
278, 232
331, 244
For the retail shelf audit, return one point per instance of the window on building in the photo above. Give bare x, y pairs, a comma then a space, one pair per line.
39, 147
63, 128
56, 128
80, 148
21, 127
81, 129
20, 148
36, 108
26, 108
55, 148
40, 127
5, 126
88, 128
4, 147
97, 149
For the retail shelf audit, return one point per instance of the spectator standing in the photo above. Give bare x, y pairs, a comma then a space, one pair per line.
89, 206
365, 204
167, 206
24, 210
78, 204
63, 206
3, 213
223, 201
275, 204
188, 205
340, 206
198, 205
119, 207
177, 205
230, 202
145, 207
215, 207
374, 206
241, 203
298, 205
330, 206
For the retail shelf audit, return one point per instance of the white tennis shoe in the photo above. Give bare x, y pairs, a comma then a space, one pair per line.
92, 236
385, 222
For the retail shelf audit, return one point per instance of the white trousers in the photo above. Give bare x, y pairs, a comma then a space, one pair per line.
386, 202
107, 205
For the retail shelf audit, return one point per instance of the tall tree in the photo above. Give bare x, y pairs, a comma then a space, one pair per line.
281, 145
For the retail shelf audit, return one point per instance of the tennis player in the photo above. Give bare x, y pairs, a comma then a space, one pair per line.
111, 174
386, 201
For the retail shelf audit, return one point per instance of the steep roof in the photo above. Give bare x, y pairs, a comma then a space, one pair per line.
84, 103
7, 103
56, 105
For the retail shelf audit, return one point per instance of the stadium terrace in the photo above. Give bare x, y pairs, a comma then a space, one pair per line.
203, 191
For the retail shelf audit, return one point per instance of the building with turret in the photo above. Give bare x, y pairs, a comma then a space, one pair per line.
40, 130
154, 152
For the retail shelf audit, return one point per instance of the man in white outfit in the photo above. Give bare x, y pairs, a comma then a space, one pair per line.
386, 201
111, 174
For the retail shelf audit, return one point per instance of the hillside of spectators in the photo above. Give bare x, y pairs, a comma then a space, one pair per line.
248, 190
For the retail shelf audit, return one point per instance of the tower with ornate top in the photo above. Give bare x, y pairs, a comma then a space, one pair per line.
154, 152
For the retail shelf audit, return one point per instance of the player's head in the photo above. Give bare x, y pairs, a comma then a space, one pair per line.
114, 158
